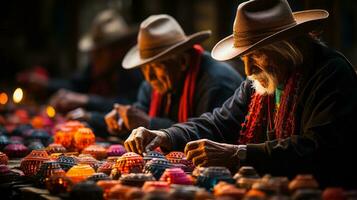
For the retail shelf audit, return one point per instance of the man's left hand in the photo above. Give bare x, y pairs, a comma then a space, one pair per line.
205, 152
132, 117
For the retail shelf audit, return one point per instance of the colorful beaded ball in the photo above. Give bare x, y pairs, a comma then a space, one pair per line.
129, 163
157, 166
67, 162
212, 175
80, 172
47, 169
89, 160
116, 150
98, 177
179, 158
55, 148
31, 164
152, 154
35, 145
176, 176
156, 185
107, 166
16, 150
83, 138
97, 151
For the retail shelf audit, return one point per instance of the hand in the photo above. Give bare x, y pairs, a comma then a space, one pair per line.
78, 114
208, 153
114, 122
132, 117
144, 140
65, 100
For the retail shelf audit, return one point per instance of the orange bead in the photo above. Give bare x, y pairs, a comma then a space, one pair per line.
83, 138
80, 172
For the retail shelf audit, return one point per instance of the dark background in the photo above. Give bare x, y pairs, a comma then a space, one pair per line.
46, 32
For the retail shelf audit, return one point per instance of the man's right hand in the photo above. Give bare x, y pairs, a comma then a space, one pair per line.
144, 140
112, 121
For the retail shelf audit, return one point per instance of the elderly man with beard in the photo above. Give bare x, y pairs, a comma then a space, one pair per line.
296, 113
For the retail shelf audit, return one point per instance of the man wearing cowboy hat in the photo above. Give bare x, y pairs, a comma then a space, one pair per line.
182, 80
104, 82
296, 112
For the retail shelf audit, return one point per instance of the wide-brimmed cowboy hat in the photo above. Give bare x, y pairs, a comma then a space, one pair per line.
159, 37
262, 22
107, 28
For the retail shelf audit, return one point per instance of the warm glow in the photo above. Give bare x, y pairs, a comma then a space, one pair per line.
18, 95
51, 112
3, 98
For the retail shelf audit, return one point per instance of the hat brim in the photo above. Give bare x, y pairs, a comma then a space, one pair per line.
87, 42
306, 21
133, 59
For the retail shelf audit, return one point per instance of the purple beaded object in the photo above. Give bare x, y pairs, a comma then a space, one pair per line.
47, 169
176, 176
32, 162
116, 150
16, 150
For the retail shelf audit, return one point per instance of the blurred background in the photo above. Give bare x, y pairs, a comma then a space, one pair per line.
46, 32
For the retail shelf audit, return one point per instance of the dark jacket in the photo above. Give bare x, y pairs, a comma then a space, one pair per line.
325, 143
216, 82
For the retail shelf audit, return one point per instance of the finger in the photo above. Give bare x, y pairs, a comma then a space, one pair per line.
203, 164
190, 146
153, 144
139, 144
193, 153
199, 160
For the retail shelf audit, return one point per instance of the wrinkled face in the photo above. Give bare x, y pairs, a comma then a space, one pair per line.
266, 70
164, 75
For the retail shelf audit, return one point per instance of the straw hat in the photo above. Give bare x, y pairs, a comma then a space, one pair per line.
262, 22
159, 37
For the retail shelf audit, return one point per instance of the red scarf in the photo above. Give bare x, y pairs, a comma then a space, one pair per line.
186, 99
261, 110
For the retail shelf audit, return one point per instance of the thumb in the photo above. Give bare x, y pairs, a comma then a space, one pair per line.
153, 144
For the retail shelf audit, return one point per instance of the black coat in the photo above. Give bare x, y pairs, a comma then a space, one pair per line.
216, 82
325, 143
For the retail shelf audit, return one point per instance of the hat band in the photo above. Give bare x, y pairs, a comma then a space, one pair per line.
150, 52
241, 39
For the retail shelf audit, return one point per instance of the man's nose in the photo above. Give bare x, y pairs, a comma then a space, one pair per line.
247, 66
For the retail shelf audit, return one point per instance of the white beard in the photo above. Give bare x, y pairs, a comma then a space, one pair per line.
272, 83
